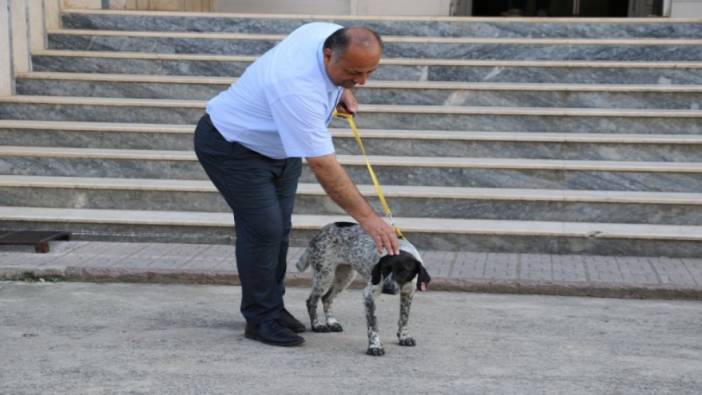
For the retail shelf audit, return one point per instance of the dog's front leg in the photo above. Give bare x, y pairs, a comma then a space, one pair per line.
406, 295
375, 346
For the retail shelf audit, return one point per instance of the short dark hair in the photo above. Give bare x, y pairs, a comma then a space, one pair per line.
339, 41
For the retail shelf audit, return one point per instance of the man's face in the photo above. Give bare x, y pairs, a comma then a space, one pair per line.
353, 67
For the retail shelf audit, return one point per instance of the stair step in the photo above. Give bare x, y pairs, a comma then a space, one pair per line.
406, 25
524, 145
406, 201
443, 234
395, 46
417, 117
428, 171
377, 92
460, 70
395, 161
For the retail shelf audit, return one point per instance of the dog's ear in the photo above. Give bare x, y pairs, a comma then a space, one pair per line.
381, 269
423, 279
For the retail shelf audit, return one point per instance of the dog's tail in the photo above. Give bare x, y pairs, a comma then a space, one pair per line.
303, 263
313, 247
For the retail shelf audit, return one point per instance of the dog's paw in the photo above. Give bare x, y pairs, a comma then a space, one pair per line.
408, 342
335, 327
375, 351
321, 328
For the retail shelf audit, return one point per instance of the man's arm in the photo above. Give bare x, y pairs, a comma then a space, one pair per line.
338, 185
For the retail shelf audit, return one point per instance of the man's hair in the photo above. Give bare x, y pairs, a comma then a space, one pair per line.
340, 40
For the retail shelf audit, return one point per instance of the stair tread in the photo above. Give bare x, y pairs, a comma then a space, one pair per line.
391, 191
376, 133
399, 161
534, 20
408, 224
390, 38
373, 108
392, 61
443, 85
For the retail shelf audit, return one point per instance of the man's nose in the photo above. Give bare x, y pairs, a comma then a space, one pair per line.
361, 79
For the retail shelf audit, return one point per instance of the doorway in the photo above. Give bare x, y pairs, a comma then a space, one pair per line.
559, 8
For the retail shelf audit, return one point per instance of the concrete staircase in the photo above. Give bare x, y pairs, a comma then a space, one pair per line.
520, 135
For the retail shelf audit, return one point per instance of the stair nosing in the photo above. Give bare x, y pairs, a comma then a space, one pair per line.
376, 108
392, 161
386, 38
371, 134
388, 61
324, 17
391, 191
377, 84
409, 224
400, 134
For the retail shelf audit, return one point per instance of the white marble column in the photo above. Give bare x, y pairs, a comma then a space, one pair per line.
21, 59
37, 29
6, 80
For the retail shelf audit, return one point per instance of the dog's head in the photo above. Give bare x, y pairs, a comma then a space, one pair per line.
404, 268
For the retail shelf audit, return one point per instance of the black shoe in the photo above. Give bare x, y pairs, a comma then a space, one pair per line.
290, 322
273, 333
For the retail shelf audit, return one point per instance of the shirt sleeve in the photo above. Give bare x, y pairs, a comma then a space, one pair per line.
301, 123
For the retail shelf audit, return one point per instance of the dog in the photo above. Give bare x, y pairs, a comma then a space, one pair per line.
336, 254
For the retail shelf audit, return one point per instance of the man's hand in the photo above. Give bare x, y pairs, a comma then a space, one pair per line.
347, 103
342, 191
383, 234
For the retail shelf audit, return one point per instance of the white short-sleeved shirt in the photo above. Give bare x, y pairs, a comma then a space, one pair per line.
282, 104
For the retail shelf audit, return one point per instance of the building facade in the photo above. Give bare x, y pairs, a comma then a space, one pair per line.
541, 8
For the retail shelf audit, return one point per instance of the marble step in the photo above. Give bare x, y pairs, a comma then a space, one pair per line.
425, 233
574, 120
405, 201
525, 145
377, 92
513, 71
391, 170
395, 46
395, 26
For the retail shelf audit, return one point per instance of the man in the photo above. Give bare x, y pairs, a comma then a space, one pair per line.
251, 141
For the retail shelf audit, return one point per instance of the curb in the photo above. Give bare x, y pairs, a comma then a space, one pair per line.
524, 287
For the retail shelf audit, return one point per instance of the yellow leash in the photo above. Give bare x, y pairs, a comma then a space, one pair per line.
376, 184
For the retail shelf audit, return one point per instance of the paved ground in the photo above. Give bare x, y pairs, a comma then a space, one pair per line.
633, 277
84, 338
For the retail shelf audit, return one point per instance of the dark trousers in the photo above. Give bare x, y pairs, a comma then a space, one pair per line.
261, 193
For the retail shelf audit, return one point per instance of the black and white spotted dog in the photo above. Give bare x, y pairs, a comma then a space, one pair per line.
341, 250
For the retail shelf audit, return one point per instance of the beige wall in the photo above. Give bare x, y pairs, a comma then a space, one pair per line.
687, 9
160, 5
679, 8
337, 7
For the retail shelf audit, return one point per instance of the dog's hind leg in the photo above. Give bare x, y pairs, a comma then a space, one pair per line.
375, 346
406, 295
322, 282
343, 277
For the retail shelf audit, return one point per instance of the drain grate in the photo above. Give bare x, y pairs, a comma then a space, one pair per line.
38, 238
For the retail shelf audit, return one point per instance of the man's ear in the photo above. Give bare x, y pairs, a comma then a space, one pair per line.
382, 268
